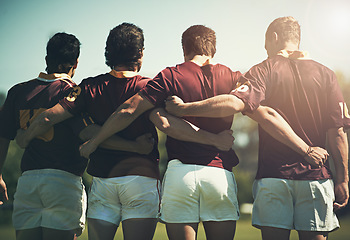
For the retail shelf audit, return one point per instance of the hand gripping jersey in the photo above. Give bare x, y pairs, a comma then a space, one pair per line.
193, 83
308, 96
59, 147
99, 97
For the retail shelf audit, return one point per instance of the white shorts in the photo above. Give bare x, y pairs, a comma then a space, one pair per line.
294, 204
120, 198
49, 198
194, 193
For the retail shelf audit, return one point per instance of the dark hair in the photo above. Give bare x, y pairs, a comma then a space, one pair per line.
124, 46
287, 28
199, 40
62, 52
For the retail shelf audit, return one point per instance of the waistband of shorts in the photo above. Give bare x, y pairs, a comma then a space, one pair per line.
51, 172
177, 162
123, 179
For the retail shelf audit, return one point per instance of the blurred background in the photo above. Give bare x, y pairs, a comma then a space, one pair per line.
26, 26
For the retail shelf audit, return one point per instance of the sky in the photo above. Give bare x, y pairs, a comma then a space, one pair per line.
240, 25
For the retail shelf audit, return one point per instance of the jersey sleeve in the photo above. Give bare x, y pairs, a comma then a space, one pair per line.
337, 111
74, 101
157, 90
8, 126
251, 86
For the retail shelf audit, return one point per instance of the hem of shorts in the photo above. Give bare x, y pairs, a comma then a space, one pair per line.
259, 226
319, 230
161, 220
198, 221
104, 219
51, 227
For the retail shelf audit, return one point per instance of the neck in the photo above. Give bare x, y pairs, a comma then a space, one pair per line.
124, 69
200, 60
291, 46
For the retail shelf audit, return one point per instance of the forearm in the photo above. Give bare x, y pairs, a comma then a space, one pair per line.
218, 106
122, 118
4, 144
42, 123
339, 149
180, 129
113, 143
274, 124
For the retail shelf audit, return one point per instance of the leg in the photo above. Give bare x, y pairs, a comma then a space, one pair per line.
271, 233
101, 230
29, 234
182, 231
140, 228
55, 234
224, 230
308, 235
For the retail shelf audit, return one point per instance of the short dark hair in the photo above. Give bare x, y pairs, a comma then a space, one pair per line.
62, 52
124, 46
199, 40
287, 28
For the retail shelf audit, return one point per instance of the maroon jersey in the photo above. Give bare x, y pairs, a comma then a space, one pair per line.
193, 83
99, 97
308, 96
59, 147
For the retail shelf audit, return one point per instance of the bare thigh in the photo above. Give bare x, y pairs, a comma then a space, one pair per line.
223, 230
55, 234
182, 231
271, 233
101, 230
308, 235
29, 234
139, 228
41, 233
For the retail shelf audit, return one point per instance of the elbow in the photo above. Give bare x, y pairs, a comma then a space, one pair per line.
232, 106
45, 121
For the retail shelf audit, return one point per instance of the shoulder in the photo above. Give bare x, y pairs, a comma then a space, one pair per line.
218, 67
20, 87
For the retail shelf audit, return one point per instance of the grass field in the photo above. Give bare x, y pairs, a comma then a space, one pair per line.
244, 232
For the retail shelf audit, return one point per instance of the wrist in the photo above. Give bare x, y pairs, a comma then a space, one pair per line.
306, 151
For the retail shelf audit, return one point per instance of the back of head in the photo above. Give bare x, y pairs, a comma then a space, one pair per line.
199, 40
124, 47
62, 52
287, 28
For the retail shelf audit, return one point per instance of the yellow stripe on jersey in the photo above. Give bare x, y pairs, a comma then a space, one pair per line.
27, 116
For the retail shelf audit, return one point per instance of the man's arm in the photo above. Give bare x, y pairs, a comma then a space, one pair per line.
219, 106
42, 124
339, 149
182, 130
227, 104
119, 120
4, 145
142, 145
274, 124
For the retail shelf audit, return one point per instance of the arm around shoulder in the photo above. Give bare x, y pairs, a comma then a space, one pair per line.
219, 106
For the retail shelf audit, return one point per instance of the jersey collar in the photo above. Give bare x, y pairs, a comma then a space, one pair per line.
53, 77
123, 74
294, 54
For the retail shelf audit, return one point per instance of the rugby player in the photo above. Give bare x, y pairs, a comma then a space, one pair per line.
50, 200
289, 193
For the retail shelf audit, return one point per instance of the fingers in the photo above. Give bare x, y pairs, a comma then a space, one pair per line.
83, 151
337, 206
4, 197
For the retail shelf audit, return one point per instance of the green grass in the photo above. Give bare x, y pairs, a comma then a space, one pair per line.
244, 231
